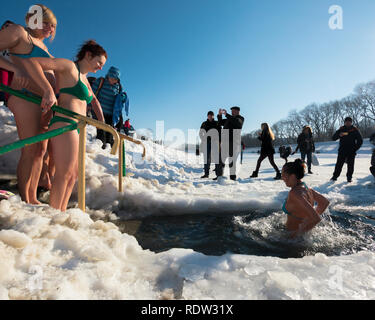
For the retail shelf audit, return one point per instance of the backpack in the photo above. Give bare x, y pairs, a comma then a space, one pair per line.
91, 80
285, 152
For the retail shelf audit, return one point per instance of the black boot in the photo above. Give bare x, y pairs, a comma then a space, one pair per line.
254, 175
205, 176
278, 176
233, 177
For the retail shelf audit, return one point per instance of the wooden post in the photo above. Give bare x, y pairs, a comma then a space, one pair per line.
81, 166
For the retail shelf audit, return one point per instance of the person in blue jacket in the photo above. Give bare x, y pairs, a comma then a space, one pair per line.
112, 100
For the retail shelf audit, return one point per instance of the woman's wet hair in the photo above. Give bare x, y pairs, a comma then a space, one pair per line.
48, 17
92, 47
297, 168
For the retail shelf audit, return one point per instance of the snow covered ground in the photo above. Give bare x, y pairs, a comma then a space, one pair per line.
46, 254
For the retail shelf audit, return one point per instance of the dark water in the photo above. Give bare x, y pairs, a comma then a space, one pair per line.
260, 233
257, 233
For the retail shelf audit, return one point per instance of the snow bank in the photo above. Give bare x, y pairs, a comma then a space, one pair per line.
46, 254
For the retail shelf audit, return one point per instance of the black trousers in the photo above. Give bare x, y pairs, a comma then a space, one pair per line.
232, 165
341, 159
104, 136
208, 160
309, 158
271, 160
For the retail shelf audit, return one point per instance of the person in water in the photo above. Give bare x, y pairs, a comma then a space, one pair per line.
23, 43
75, 94
304, 206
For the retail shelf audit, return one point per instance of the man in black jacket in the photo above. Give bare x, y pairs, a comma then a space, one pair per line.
230, 139
209, 135
350, 142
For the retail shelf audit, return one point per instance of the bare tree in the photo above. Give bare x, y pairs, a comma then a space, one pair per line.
366, 92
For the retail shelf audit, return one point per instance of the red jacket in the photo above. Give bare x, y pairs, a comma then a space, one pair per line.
127, 124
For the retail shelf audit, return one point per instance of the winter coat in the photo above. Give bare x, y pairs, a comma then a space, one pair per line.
267, 143
231, 123
207, 126
305, 143
350, 143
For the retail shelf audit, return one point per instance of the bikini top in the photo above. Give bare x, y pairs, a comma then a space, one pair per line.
80, 90
286, 211
36, 52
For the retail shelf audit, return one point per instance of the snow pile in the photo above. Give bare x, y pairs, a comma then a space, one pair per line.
46, 254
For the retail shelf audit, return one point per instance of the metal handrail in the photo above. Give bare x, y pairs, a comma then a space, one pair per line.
121, 156
83, 121
125, 137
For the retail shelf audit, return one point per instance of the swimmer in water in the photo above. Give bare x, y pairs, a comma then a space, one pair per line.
304, 206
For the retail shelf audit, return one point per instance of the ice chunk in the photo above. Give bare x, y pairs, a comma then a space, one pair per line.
284, 280
14, 238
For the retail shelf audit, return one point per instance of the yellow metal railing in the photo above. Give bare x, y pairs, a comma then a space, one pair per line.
121, 155
118, 144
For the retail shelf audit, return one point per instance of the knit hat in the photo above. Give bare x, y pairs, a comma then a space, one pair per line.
114, 72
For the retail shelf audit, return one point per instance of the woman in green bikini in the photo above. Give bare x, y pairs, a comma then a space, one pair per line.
75, 94
300, 207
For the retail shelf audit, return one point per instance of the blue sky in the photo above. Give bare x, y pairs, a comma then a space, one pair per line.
180, 59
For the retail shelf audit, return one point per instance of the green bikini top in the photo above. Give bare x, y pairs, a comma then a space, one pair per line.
80, 90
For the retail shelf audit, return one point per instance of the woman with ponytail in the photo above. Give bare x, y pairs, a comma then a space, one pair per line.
75, 94
304, 206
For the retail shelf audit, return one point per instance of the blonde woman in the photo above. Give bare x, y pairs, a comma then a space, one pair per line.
267, 150
22, 44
